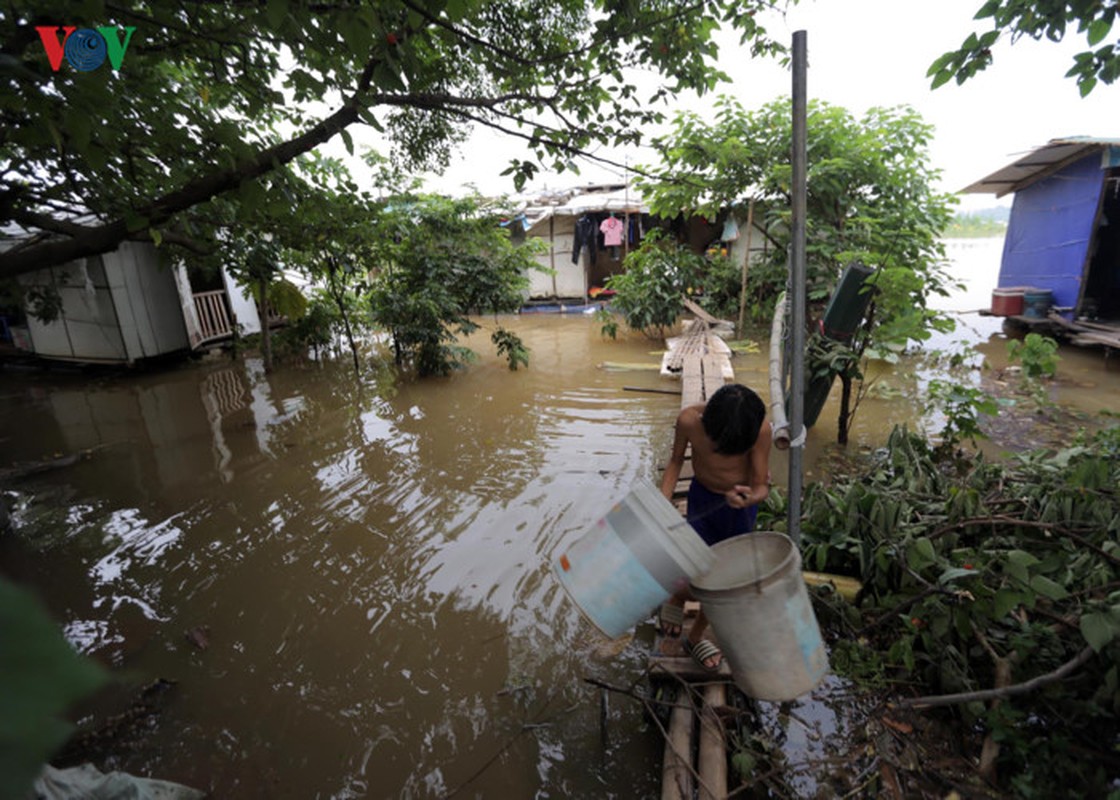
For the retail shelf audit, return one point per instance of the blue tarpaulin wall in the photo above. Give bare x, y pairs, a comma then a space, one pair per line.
1050, 229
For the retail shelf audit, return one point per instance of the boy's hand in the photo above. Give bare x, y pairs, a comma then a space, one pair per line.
739, 497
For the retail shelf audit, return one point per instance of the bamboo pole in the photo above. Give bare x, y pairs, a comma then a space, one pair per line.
712, 758
777, 388
676, 770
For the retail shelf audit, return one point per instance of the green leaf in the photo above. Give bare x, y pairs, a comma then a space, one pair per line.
943, 77
1004, 602
1098, 29
921, 554
276, 12
347, 140
1098, 630
41, 676
951, 574
1048, 588
1022, 557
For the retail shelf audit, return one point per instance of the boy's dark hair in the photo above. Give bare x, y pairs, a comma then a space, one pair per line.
732, 418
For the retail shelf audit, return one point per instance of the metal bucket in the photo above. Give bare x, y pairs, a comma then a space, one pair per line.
631, 560
759, 609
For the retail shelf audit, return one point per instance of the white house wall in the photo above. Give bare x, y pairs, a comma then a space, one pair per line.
186, 303
569, 279
87, 329
242, 304
147, 301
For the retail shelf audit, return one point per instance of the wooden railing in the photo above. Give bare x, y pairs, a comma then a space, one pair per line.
213, 318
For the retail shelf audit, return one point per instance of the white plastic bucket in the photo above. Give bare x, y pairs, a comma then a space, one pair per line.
631, 560
762, 617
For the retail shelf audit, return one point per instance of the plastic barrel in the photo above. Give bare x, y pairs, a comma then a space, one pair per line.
1037, 302
631, 560
760, 611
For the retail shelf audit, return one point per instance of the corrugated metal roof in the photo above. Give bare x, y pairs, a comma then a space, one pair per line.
1038, 164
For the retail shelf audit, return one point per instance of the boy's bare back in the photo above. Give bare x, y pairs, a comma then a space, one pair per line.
746, 474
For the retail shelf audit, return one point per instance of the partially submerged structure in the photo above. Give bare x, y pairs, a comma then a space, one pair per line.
1062, 248
124, 307
570, 223
580, 254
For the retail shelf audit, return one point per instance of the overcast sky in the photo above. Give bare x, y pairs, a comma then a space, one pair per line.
865, 53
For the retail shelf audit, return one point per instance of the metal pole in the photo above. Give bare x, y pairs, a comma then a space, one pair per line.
797, 288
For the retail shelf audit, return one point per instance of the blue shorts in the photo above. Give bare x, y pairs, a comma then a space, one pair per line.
712, 518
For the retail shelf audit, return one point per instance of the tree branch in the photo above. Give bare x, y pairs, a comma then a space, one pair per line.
1007, 691
103, 238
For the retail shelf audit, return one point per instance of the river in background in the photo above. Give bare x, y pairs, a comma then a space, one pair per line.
367, 568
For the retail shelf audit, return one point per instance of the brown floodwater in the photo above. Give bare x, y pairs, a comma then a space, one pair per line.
366, 567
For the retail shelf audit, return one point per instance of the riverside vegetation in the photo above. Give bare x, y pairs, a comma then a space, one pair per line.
991, 596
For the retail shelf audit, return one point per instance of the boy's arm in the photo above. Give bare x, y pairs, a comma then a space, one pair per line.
759, 490
676, 460
760, 464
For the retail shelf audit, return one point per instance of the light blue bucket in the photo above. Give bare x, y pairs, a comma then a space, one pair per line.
631, 560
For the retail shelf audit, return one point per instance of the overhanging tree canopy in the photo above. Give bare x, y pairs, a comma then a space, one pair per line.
1038, 19
210, 96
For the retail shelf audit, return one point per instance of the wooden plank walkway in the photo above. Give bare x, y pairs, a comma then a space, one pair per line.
695, 758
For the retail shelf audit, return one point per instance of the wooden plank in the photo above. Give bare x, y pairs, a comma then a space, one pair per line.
713, 374
692, 382
701, 314
711, 761
676, 770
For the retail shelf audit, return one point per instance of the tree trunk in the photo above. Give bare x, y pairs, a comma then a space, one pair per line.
339, 300
266, 333
845, 408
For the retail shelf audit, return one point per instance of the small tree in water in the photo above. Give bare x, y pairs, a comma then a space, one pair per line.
438, 261
649, 292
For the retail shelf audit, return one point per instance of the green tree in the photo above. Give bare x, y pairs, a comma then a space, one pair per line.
657, 274
440, 260
335, 242
870, 199
1038, 19
209, 97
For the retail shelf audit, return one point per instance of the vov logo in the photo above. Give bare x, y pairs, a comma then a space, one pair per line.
85, 48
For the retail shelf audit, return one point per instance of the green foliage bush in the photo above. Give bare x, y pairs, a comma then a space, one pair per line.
1038, 354
438, 261
658, 274
1015, 561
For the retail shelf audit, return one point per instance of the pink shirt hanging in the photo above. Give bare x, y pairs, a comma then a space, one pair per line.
611, 228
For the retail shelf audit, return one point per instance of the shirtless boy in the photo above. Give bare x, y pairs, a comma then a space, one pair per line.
730, 441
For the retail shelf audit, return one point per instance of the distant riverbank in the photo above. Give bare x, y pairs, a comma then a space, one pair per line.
976, 226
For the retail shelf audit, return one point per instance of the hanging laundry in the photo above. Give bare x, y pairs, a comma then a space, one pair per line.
612, 235
585, 236
612, 231
730, 230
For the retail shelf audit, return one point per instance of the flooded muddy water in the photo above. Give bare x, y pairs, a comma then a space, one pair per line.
349, 585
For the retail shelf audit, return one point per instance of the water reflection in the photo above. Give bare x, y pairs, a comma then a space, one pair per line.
371, 561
